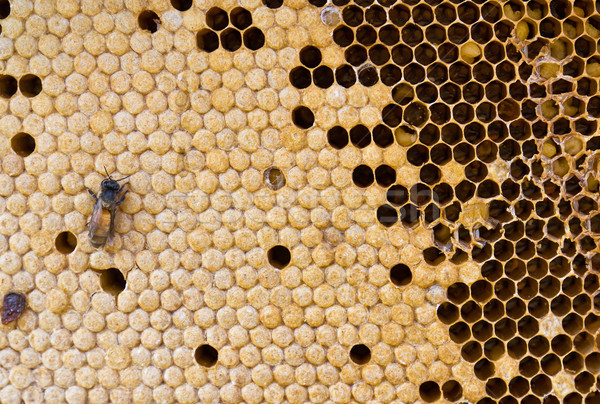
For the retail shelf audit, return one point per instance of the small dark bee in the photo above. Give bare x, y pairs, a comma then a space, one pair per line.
13, 306
103, 217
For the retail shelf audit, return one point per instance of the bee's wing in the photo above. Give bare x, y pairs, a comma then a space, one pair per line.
111, 228
95, 219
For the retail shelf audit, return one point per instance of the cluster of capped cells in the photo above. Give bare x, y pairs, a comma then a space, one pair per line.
388, 201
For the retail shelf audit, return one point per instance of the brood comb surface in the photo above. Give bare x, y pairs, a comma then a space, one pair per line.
348, 201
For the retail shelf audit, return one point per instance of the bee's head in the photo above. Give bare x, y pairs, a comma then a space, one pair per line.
108, 184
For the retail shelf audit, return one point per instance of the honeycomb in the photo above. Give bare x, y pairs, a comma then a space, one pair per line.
328, 201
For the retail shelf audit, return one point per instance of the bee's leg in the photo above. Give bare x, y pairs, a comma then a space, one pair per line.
122, 199
92, 193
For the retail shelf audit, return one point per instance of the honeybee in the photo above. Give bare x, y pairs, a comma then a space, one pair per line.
102, 222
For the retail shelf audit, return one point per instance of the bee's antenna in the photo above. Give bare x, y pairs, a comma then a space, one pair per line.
124, 178
107, 174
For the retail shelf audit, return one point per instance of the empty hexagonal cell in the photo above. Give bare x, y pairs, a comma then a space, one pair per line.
435, 34
463, 153
459, 332
310, 56
366, 35
360, 136
397, 195
383, 136
529, 366
389, 35
387, 215
400, 275
412, 35
390, 74
452, 211
353, 15
363, 176
402, 55
409, 215
240, 18
496, 387
217, 18
253, 38
343, 36
367, 75
551, 364
573, 362
345, 76
391, 114
8, 86
300, 77
385, 175
429, 391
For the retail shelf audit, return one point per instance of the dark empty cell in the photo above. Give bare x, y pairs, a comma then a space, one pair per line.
572, 285
471, 351
586, 86
583, 383
437, 73
529, 149
420, 194
430, 134
217, 18
412, 35
494, 52
433, 256
450, 93
445, 13
254, 38
431, 213
303, 117
586, 127
337, 137
489, 234
409, 215
447, 313
310, 56
352, 15
484, 369
468, 13
561, 344
451, 134
518, 91
360, 136
112, 281
241, 18
430, 174
323, 77
573, 186
417, 155
8, 86
524, 249
231, 39
397, 195
585, 47
510, 189
435, 34
463, 113
367, 75
551, 364
527, 288
560, 305
519, 129
366, 35
399, 15
402, 55
505, 71
483, 72
459, 332
440, 154
465, 190
573, 363
385, 175
560, 8
379, 54
591, 283
458, 33
356, 55
343, 36
503, 30
448, 52
463, 235
300, 77
559, 266
539, 345
389, 35
452, 211
463, 153
585, 205
382, 136
544, 208
206, 356
414, 73
429, 391
207, 40
503, 250
582, 304
439, 113
486, 151
493, 310
583, 342
442, 193
482, 32
537, 267
496, 92
518, 169
386, 215
515, 269
346, 77
452, 390
416, 114
363, 176
387, 3
400, 275
422, 15
441, 234
528, 326
491, 270
425, 54
473, 92
574, 68
392, 115
515, 308
495, 387
458, 293
516, 347
23, 144
497, 131
364, 3
149, 20
504, 289
66, 242
460, 73
476, 171
499, 210
482, 330
360, 354
376, 16
279, 256
529, 366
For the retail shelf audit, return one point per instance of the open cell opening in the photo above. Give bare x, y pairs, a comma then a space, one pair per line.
65, 242
217, 18
30, 85
440, 154
360, 354
400, 275
279, 256
300, 77
274, 178
363, 176
397, 195
148, 20
207, 40
387, 215
8, 86
241, 18
254, 38
388, 35
206, 356
338, 137
323, 77
231, 39
430, 391
303, 117
182, 5
367, 75
366, 35
383, 136
310, 56
345, 76
452, 390
23, 144
343, 36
